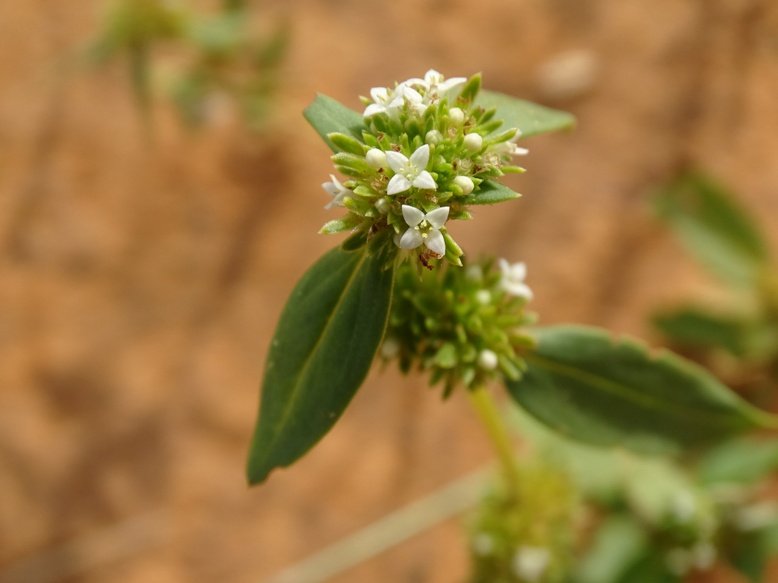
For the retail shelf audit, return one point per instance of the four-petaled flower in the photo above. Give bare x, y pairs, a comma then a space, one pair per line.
512, 281
337, 190
411, 172
436, 84
384, 101
424, 228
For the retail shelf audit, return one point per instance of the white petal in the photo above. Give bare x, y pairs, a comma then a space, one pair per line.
414, 81
397, 161
411, 95
330, 188
412, 215
397, 184
449, 84
436, 243
518, 289
411, 239
518, 271
517, 151
421, 157
379, 94
438, 217
425, 180
505, 267
432, 77
374, 109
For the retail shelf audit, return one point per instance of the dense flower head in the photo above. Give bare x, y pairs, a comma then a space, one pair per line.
426, 144
461, 325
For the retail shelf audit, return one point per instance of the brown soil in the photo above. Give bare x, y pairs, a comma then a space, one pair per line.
142, 280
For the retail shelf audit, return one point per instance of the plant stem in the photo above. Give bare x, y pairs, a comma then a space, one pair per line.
492, 421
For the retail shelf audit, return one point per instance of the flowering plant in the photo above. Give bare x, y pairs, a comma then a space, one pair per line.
421, 154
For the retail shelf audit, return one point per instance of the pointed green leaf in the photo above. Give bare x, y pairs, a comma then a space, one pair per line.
321, 352
532, 119
489, 192
746, 461
329, 116
714, 228
613, 392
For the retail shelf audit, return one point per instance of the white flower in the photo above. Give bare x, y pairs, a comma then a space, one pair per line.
384, 101
424, 228
512, 281
530, 563
435, 84
473, 142
411, 172
413, 99
337, 190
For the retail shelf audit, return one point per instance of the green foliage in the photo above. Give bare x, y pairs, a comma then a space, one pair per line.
695, 327
594, 388
328, 116
714, 228
321, 352
532, 119
745, 461
491, 193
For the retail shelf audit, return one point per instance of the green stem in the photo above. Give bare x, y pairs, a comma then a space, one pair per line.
492, 421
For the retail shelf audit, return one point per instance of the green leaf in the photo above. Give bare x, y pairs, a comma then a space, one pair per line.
594, 388
321, 352
754, 550
532, 119
740, 461
693, 327
714, 228
328, 116
489, 192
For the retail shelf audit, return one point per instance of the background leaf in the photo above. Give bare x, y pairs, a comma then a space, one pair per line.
321, 352
714, 228
589, 386
740, 461
327, 116
490, 192
694, 327
532, 119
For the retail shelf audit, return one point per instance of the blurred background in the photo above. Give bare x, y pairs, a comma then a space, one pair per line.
145, 260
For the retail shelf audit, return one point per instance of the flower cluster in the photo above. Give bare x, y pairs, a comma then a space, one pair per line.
424, 151
463, 325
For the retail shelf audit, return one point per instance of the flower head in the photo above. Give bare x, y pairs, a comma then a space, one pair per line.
384, 101
512, 281
410, 172
435, 84
337, 190
424, 228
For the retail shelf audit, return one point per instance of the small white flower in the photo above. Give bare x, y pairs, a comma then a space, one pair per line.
512, 281
465, 183
435, 84
337, 190
411, 172
413, 99
376, 158
487, 359
384, 101
530, 563
473, 142
424, 228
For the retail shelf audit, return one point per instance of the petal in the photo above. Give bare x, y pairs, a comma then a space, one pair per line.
397, 161
518, 271
436, 243
397, 184
432, 77
425, 180
411, 239
505, 267
449, 84
411, 95
438, 217
379, 94
374, 109
412, 215
330, 188
517, 151
421, 157
520, 290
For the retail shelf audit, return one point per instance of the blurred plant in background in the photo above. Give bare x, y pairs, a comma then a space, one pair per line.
216, 61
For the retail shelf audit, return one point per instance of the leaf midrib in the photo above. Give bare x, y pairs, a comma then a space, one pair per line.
715, 418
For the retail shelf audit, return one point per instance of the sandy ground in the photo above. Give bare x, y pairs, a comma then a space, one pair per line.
142, 280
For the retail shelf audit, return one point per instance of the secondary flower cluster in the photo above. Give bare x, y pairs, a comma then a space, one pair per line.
462, 325
424, 152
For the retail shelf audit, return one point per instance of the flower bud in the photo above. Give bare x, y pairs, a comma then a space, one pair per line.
487, 359
383, 205
474, 142
483, 297
456, 115
465, 182
390, 348
433, 137
376, 158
